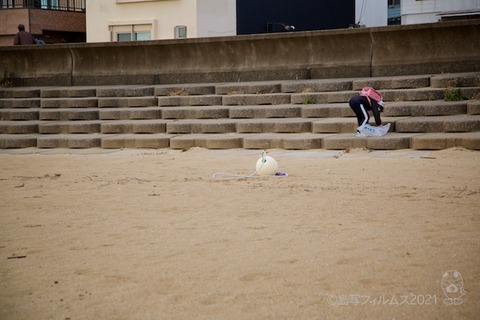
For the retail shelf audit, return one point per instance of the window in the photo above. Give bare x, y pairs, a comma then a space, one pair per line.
124, 37
180, 32
66, 5
137, 36
128, 1
142, 35
49, 4
132, 31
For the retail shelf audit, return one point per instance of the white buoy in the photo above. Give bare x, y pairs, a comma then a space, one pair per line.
266, 166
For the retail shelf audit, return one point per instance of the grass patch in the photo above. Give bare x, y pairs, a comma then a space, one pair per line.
453, 95
6, 79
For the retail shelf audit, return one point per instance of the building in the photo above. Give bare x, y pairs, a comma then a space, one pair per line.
255, 16
54, 21
58, 21
371, 13
394, 12
130, 20
134, 20
428, 11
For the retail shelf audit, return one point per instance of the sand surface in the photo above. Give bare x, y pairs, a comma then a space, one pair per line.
138, 234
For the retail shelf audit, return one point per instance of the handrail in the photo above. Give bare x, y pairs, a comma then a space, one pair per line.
60, 5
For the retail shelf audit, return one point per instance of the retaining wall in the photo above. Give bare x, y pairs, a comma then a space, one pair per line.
386, 51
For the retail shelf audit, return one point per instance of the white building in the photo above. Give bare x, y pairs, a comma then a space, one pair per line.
428, 11
371, 13
125, 20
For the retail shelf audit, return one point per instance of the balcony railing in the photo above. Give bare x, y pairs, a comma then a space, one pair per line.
65, 5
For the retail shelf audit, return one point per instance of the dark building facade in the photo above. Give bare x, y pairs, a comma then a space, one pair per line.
254, 16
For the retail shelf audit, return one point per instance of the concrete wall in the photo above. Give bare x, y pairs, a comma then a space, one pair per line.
427, 11
398, 50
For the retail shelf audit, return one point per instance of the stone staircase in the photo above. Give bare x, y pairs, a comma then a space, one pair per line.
300, 114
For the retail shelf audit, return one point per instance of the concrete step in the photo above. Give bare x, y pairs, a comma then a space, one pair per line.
256, 99
69, 114
269, 111
317, 85
185, 89
126, 102
201, 126
458, 123
422, 94
394, 141
466, 93
209, 141
303, 141
199, 112
19, 127
151, 141
390, 141
263, 125
190, 100
69, 92
134, 126
25, 103
326, 110
19, 114
68, 103
452, 80
395, 95
125, 91
19, 93
274, 125
52, 103
137, 113
59, 127
345, 125
74, 141
396, 109
289, 141
301, 114
473, 107
398, 82
425, 108
248, 88
321, 97
10, 141
439, 141
392, 109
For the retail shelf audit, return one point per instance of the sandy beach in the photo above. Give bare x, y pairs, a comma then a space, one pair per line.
149, 234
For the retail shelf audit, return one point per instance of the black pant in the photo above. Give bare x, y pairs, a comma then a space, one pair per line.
359, 105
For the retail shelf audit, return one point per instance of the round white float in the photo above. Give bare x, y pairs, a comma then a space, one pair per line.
266, 166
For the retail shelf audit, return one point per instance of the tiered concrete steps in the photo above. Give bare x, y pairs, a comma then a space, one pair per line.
302, 114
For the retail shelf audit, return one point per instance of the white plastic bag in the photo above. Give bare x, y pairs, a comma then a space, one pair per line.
369, 131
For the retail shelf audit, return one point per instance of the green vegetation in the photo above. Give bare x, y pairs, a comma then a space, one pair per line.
6, 79
453, 95
259, 91
309, 100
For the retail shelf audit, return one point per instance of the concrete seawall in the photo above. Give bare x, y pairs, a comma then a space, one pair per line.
387, 51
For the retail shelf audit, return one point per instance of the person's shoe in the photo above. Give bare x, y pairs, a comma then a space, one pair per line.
358, 134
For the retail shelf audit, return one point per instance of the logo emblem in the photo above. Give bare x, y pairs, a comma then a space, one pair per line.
452, 285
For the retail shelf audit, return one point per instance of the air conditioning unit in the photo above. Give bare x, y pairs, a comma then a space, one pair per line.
180, 32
